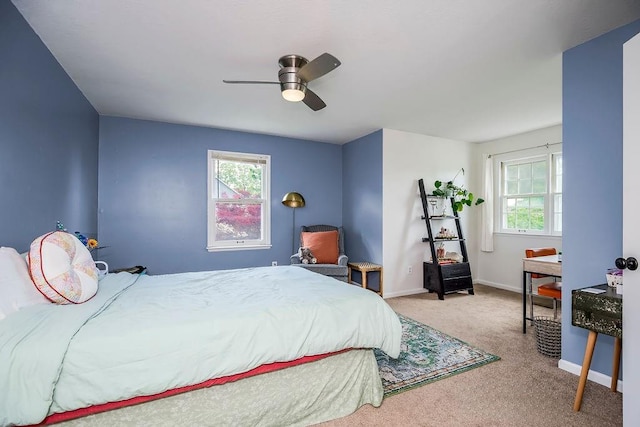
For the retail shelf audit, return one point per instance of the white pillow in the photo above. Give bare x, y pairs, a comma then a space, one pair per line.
16, 287
62, 269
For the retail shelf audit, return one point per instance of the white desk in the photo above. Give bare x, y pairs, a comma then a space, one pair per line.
548, 265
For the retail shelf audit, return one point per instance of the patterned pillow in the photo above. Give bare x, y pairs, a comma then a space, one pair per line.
62, 268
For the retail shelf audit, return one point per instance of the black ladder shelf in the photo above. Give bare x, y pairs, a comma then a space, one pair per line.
444, 278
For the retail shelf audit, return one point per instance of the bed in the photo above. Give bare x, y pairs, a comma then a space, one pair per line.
255, 346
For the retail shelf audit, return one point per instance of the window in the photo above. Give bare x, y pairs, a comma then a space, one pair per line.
238, 201
530, 192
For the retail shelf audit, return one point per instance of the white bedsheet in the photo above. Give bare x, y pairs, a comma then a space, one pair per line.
174, 330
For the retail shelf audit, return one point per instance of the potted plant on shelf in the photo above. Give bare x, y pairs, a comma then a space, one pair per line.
461, 196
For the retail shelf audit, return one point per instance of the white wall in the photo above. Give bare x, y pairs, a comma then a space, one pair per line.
407, 157
502, 268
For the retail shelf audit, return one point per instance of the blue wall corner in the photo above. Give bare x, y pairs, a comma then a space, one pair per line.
49, 140
592, 149
362, 198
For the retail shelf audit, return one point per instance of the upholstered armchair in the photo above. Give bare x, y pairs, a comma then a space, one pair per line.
332, 260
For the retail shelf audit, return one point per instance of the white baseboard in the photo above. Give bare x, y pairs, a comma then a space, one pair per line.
594, 376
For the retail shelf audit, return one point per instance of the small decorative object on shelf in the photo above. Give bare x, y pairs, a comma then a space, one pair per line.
445, 233
614, 277
438, 207
89, 242
434, 204
441, 251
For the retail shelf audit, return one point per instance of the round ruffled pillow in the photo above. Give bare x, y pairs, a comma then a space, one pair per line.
62, 268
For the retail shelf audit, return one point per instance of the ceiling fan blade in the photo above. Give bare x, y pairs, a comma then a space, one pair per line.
252, 82
318, 67
313, 101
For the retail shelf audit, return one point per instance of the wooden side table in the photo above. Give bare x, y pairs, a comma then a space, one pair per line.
364, 268
599, 313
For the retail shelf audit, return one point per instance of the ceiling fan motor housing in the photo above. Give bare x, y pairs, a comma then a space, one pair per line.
290, 80
295, 61
288, 74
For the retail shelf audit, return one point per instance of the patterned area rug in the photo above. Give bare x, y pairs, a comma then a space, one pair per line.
426, 355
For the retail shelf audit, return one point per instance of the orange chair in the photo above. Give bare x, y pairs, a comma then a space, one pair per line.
552, 289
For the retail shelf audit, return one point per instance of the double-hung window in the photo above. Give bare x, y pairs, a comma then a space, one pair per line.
530, 190
238, 201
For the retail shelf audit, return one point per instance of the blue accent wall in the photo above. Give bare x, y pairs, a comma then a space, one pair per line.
362, 198
592, 152
153, 193
48, 140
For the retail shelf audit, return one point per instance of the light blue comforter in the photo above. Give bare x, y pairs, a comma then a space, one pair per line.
161, 332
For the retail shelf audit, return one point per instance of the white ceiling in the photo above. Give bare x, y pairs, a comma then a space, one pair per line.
471, 70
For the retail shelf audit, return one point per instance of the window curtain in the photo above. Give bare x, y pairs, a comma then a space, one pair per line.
486, 215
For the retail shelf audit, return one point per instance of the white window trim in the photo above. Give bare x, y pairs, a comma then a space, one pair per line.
553, 192
230, 245
525, 155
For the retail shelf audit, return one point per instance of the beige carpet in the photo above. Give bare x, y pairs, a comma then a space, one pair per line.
523, 389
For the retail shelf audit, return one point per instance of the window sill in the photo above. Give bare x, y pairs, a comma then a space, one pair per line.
236, 248
528, 234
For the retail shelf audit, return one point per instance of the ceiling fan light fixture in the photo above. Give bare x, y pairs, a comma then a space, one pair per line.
293, 95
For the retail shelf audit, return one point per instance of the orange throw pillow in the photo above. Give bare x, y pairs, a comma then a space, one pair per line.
323, 245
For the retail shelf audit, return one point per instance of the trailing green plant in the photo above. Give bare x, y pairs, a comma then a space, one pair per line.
461, 196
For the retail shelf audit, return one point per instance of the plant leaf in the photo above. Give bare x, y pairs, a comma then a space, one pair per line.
437, 184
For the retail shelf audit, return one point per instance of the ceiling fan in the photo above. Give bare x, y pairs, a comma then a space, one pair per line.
294, 75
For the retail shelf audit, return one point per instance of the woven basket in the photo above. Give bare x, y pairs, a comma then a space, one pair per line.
548, 336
